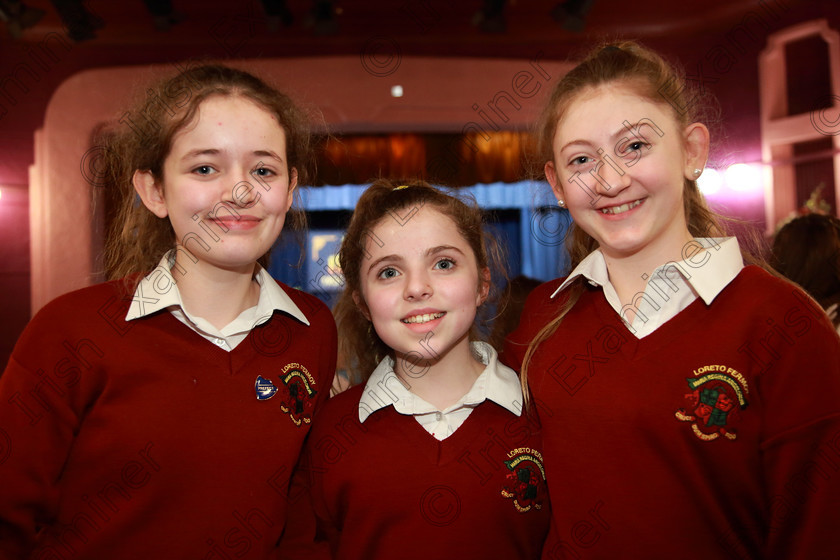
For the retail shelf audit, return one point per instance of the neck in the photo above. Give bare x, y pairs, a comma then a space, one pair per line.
215, 294
443, 381
629, 274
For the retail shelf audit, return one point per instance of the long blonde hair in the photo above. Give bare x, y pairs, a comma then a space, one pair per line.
652, 77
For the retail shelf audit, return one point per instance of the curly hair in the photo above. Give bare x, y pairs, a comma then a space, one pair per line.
359, 347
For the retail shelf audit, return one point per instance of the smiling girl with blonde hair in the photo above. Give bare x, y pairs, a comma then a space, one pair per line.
690, 405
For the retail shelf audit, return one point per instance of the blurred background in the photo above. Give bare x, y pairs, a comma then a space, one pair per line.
439, 89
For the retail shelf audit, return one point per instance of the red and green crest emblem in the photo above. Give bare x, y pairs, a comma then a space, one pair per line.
525, 483
715, 402
299, 393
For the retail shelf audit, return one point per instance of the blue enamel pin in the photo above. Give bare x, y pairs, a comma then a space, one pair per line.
265, 388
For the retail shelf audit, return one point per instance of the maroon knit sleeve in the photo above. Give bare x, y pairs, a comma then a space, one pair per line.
303, 536
801, 444
43, 397
311, 532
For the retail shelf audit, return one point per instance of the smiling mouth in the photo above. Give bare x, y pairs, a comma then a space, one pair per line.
241, 223
621, 208
423, 318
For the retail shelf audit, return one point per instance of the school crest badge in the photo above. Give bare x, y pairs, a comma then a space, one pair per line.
296, 392
525, 483
718, 395
299, 394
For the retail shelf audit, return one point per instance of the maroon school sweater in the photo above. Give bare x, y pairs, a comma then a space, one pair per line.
716, 436
143, 440
387, 489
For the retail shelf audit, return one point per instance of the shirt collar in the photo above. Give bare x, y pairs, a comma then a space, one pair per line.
497, 383
158, 291
710, 270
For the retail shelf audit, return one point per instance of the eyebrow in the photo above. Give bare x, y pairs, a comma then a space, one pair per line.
442, 248
386, 258
268, 153
631, 129
624, 130
574, 142
215, 151
201, 152
397, 258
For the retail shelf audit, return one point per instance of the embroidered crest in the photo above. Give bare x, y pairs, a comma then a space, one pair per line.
525, 483
298, 398
718, 394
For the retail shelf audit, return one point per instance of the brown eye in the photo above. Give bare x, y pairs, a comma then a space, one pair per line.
635, 146
263, 172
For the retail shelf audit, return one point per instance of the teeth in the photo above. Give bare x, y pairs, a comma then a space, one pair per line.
620, 209
423, 318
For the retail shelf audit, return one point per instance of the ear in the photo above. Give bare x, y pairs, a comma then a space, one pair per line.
293, 180
696, 149
484, 286
360, 303
554, 180
150, 193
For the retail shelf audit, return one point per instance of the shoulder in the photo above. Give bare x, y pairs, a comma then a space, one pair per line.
119, 289
346, 399
545, 290
540, 307
760, 278
761, 288
543, 304
337, 408
87, 307
764, 303
93, 316
315, 310
544, 295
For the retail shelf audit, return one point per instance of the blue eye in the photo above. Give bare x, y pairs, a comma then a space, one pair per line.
445, 264
387, 273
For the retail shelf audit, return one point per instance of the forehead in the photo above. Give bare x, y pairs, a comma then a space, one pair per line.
223, 116
413, 230
605, 109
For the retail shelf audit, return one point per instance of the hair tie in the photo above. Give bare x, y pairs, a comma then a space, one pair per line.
401, 187
611, 48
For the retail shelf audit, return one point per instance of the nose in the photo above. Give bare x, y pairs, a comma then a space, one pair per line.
418, 286
245, 191
609, 177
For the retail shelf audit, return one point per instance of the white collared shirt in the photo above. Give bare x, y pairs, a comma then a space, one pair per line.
497, 383
158, 291
711, 265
